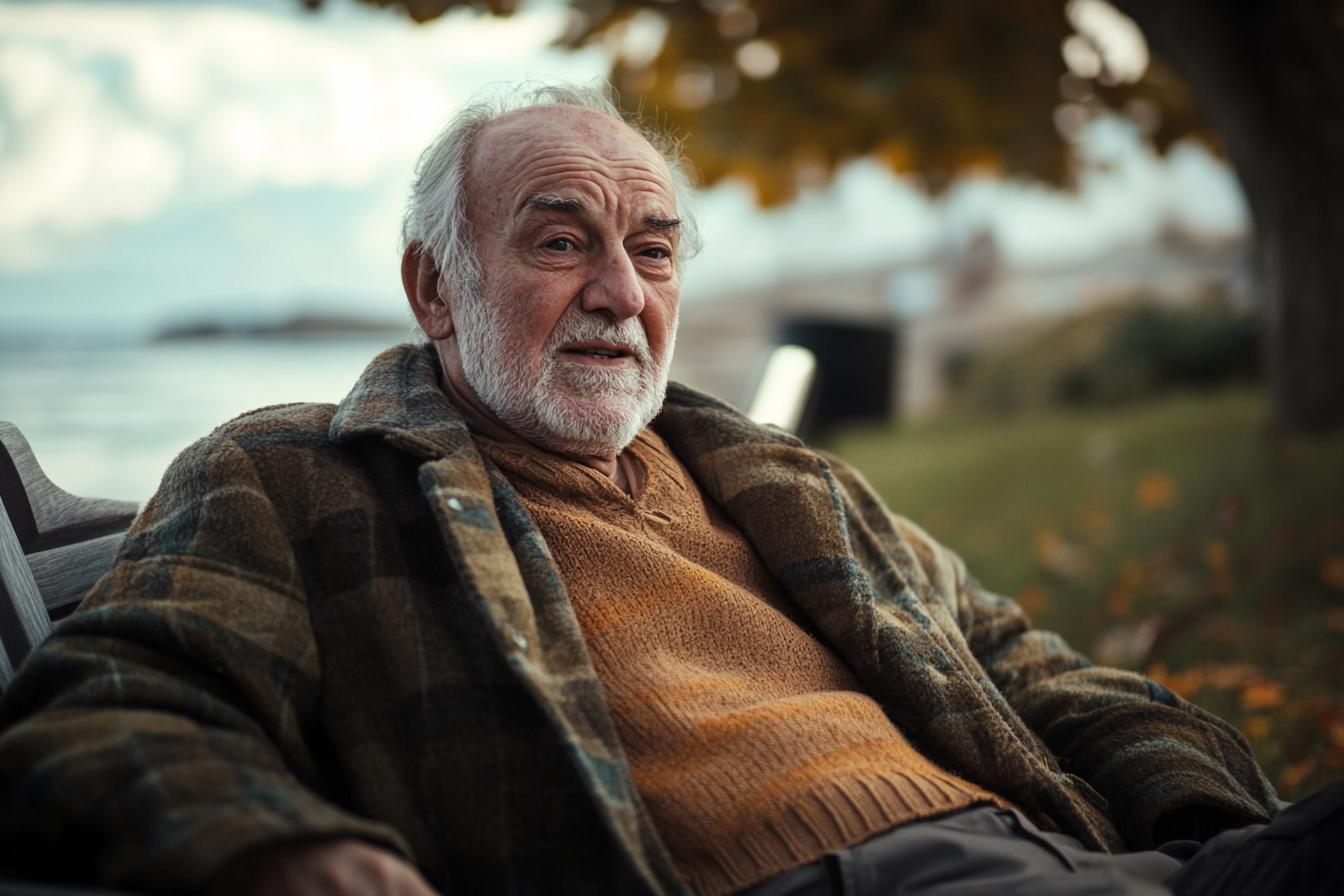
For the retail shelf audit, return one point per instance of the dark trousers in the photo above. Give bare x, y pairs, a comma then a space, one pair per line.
992, 852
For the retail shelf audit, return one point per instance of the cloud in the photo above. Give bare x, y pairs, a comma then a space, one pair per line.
70, 161
110, 113
1204, 197
1126, 196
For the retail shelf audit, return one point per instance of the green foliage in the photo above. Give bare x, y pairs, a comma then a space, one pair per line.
1171, 536
1112, 355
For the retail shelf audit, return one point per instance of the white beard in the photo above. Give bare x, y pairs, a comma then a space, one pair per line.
557, 404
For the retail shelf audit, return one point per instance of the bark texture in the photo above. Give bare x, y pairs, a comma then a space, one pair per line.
1269, 76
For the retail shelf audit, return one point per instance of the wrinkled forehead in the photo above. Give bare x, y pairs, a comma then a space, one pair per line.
554, 146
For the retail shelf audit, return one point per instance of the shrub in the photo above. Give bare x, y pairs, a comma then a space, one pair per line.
1115, 354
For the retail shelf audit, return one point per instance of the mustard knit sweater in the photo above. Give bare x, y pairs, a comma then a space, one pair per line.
752, 744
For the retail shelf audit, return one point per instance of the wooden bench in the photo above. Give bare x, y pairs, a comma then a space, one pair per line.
53, 547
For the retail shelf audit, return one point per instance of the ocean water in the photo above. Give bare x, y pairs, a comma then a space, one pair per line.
105, 418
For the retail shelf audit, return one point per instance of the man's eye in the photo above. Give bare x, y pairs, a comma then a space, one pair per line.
560, 245
655, 252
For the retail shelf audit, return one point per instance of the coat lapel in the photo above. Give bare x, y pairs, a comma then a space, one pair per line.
786, 501
503, 561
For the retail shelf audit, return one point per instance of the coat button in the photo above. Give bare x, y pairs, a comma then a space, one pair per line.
518, 638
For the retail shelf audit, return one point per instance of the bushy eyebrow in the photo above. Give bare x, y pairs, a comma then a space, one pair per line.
554, 203
662, 223
544, 202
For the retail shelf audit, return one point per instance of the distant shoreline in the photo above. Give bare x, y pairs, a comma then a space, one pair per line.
304, 326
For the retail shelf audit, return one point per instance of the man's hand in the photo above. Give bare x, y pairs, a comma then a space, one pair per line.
345, 867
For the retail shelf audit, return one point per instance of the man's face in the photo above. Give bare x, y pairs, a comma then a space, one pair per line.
568, 339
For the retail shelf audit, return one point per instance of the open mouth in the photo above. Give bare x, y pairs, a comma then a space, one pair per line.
605, 353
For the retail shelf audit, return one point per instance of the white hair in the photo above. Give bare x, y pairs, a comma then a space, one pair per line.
436, 213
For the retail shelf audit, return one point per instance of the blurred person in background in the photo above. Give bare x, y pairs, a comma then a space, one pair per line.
520, 616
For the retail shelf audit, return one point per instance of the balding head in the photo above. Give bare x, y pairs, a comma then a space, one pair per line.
519, 152
436, 213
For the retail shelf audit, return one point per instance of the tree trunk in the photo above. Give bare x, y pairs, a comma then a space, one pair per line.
1269, 76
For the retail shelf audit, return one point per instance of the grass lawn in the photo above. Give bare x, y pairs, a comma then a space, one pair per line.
1173, 537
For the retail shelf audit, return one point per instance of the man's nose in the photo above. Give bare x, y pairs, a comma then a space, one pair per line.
615, 287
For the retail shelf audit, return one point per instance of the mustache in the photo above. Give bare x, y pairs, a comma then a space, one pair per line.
580, 326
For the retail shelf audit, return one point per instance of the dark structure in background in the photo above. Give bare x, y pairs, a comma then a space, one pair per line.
856, 371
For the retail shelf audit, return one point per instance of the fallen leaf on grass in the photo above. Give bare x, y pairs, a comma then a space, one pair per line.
1131, 573
1296, 773
1094, 520
1255, 727
1119, 601
1334, 619
1032, 599
1216, 554
1182, 684
1186, 683
1332, 723
1065, 560
1262, 695
1223, 677
1332, 571
1156, 490
1226, 676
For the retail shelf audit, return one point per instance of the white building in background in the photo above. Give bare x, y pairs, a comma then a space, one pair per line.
942, 308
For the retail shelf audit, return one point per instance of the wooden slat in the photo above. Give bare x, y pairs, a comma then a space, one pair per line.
45, 516
6, 669
23, 617
64, 575
53, 547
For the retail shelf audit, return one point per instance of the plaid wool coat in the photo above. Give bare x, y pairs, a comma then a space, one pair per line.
341, 620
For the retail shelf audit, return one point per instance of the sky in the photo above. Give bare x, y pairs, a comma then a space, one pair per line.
170, 162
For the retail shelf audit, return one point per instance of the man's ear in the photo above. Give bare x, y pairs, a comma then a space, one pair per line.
424, 287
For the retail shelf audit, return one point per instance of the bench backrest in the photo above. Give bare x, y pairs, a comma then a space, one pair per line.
53, 547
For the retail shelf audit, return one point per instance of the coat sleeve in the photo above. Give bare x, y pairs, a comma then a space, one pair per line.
1167, 768
173, 721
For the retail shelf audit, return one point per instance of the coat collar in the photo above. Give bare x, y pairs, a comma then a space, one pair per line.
740, 464
398, 398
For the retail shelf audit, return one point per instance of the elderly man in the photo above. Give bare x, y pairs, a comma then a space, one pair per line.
518, 617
